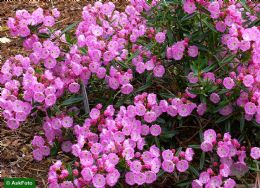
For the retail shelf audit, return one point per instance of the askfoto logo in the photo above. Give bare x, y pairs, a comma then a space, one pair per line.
19, 183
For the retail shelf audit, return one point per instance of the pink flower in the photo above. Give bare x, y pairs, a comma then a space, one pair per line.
12, 124
94, 113
204, 177
224, 170
155, 130
215, 181
130, 178
248, 80
128, 153
127, 89
50, 100
189, 154
39, 97
189, 6
225, 111
150, 116
184, 110
66, 146
255, 153
66, 184
160, 37
182, 165
49, 21
113, 158
196, 184
113, 83
96, 148
99, 181
150, 177
221, 26
193, 51
201, 109
229, 183
250, 108
206, 146
192, 78
38, 141
214, 97
158, 71
167, 155
223, 151
168, 166
228, 83
233, 43
210, 135
74, 87
135, 166
140, 178
45, 150
214, 9
37, 154
245, 45
96, 30
67, 121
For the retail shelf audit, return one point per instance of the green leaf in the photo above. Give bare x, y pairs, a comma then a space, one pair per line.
209, 68
202, 160
194, 171
157, 142
227, 59
242, 123
83, 51
244, 4
170, 36
161, 172
70, 27
194, 146
55, 148
144, 87
70, 177
209, 25
221, 119
169, 135
43, 35
188, 16
72, 100
183, 183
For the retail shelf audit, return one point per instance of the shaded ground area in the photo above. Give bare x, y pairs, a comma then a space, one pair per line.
15, 150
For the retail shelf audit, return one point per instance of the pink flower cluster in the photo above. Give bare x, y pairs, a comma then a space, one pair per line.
107, 139
181, 161
40, 149
20, 25
176, 51
231, 160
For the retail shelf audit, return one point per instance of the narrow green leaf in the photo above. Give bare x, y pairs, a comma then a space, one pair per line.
70, 27
194, 146
202, 160
194, 171
72, 100
242, 123
227, 59
210, 26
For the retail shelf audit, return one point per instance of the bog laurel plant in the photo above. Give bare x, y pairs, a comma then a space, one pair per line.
156, 73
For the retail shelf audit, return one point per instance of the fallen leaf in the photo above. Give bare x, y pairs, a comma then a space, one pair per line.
5, 40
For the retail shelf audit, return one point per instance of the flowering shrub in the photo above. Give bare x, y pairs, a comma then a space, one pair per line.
152, 71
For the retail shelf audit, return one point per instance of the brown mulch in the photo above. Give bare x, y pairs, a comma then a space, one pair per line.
15, 149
